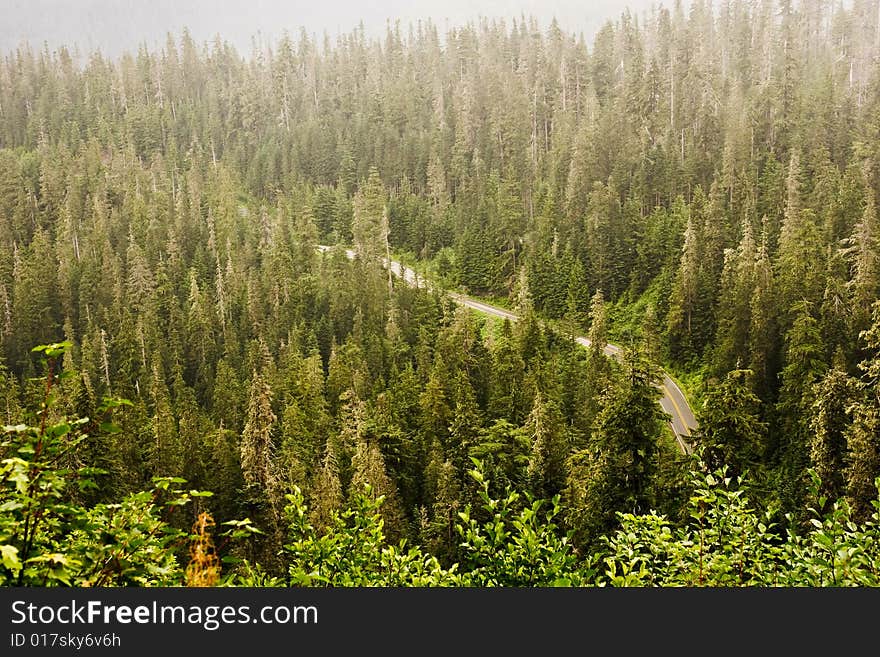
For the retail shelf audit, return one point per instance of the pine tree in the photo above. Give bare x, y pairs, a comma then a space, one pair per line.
34, 305
10, 408
257, 449
165, 452
863, 436
598, 366
506, 377
434, 402
370, 213
763, 350
465, 425
804, 368
863, 248
800, 262
263, 492
686, 294
731, 432
326, 496
439, 535
617, 470
546, 433
829, 421
370, 477
735, 305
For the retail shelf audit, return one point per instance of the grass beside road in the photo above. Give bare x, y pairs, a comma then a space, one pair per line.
692, 384
625, 322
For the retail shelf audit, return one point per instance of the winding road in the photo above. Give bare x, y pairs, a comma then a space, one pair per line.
673, 401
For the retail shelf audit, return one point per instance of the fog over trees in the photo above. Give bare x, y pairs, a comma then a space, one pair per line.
114, 26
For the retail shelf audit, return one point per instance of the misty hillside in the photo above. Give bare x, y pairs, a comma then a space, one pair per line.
113, 26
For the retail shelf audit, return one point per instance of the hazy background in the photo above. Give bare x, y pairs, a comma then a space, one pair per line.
116, 25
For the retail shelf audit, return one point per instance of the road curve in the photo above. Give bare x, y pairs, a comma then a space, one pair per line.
673, 401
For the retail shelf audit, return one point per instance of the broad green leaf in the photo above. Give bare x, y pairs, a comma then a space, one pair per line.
9, 557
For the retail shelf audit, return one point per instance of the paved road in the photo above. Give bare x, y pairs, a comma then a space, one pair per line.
673, 400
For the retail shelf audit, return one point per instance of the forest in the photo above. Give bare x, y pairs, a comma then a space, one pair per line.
193, 393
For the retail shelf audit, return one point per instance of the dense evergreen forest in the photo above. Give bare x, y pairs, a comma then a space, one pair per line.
194, 393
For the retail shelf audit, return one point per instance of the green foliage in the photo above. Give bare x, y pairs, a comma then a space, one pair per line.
836, 551
727, 542
519, 543
48, 539
353, 551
